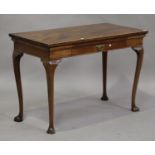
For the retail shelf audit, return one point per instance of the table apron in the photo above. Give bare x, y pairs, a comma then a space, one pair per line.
31, 49
57, 53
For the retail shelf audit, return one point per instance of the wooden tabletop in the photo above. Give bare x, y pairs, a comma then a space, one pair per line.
77, 34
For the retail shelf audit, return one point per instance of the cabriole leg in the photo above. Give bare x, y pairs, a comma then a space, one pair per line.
16, 65
104, 71
140, 53
50, 67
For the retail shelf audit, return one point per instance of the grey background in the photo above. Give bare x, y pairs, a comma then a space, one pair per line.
80, 115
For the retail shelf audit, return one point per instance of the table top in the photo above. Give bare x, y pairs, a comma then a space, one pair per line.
77, 34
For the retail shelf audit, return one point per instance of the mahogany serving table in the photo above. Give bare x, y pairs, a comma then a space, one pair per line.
55, 44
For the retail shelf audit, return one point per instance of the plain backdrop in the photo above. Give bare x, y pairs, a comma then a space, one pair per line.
79, 113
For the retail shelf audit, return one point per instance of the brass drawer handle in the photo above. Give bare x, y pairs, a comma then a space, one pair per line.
100, 47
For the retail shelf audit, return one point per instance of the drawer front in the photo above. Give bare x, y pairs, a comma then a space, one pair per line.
111, 46
98, 47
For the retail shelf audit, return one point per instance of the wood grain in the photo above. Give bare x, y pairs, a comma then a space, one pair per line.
77, 34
